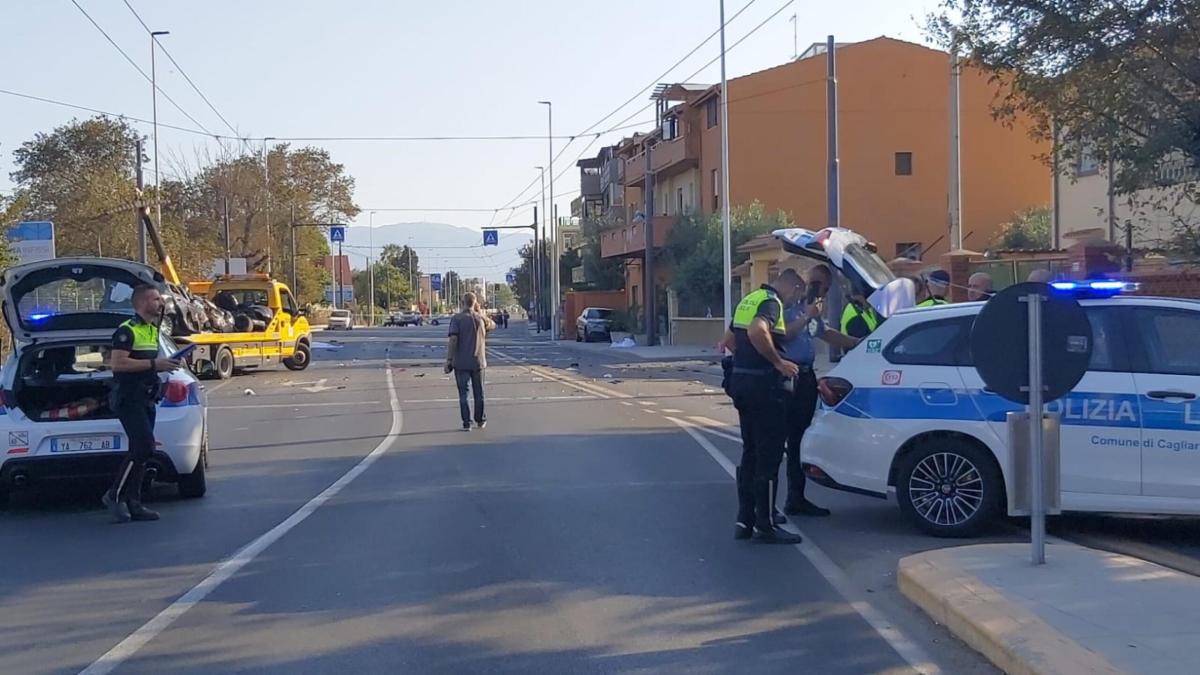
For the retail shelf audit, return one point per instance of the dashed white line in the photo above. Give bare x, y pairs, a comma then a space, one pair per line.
127, 648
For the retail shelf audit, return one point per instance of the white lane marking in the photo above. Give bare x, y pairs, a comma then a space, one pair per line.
648, 404
127, 648
906, 648
672, 411
251, 407
626, 403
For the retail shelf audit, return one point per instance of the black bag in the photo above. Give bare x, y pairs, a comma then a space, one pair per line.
726, 374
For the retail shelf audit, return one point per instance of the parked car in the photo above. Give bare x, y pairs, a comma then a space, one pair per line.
594, 322
440, 319
906, 413
404, 319
341, 319
55, 417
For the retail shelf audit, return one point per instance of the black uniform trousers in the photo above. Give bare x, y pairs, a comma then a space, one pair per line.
801, 406
762, 406
137, 416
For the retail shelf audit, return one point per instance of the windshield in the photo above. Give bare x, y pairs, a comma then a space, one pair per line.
599, 314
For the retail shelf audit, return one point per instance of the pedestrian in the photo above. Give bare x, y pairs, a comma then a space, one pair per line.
506, 316
760, 383
466, 357
136, 364
933, 287
979, 287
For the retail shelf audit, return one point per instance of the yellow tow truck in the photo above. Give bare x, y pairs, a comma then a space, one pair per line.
268, 326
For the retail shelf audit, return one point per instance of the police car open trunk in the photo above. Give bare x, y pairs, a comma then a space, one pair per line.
62, 314
851, 254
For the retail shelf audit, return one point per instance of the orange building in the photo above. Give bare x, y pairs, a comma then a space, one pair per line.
894, 147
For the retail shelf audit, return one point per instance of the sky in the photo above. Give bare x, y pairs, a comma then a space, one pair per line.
318, 68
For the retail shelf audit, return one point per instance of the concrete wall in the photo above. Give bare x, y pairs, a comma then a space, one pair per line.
1083, 205
700, 332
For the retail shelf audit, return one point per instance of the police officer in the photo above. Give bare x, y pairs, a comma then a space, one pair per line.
934, 286
136, 364
859, 318
760, 383
802, 404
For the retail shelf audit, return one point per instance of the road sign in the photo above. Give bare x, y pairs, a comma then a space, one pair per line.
337, 233
346, 296
510, 278
491, 237
435, 281
31, 241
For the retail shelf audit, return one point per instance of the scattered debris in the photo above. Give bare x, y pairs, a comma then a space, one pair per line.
608, 376
710, 391
341, 386
249, 392
419, 375
573, 365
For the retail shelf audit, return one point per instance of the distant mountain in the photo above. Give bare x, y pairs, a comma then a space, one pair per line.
441, 247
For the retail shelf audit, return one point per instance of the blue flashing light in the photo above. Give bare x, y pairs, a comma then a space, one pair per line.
1100, 288
39, 317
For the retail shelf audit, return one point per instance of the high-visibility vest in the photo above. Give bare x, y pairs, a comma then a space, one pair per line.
853, 311
145, 339
747, 309
931, 302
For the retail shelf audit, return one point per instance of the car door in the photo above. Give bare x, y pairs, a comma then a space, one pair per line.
924, 378
1100, 433
1166, 363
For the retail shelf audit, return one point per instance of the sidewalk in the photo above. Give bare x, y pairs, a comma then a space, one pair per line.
1084, 611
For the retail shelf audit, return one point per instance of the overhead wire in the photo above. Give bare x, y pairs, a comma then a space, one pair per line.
139, 68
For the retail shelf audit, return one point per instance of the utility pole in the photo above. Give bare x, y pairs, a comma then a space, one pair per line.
292, 232
831, 112
337, 274
955, 172
552, 211
137, 219
226, 221
648, 250
535, 279
267, 180
795, 33
726, 236
371, 265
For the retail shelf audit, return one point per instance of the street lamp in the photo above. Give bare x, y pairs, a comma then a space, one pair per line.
726, 238
267, 180
538, 288
371, 264
554, 290
154, 110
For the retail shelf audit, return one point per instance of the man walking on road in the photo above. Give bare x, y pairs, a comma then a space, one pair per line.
135, 366
466, 357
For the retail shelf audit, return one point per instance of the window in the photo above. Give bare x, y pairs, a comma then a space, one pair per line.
712, 110
1087, 164
599, 314
670, 128
1108, 342
909, 249
679, 201
904, 164
1169, 340
289, 303
716, 190
945, 342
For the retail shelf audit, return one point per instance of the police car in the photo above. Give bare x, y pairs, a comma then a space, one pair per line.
55, 420
905, 412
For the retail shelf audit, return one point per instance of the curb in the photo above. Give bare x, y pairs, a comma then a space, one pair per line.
1013, 638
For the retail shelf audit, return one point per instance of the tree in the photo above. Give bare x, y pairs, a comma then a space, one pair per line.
1028, 230
403, 258
1122, 77
523, 288
502, 296
391, 288
694, 248
599, 273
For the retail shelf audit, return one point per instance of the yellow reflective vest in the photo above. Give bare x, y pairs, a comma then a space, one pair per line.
747, 309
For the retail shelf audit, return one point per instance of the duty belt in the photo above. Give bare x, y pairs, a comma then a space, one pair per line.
752, 371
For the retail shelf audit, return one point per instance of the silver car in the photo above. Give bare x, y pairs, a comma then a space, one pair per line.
594, 323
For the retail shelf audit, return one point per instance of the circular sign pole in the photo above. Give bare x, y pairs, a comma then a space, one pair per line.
1037, 519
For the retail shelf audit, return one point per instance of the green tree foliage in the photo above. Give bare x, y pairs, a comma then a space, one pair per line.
694, 249
600, 273
1028, 230
392, 291
1123, 75
525, 281
403, 259
503, 296
81, 176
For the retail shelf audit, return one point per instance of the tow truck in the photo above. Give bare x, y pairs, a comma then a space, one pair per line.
268, 326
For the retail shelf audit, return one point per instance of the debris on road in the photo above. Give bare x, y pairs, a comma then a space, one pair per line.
419, 375
249, 392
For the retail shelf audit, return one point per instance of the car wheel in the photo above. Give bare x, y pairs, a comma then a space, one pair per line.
300, 358
950, 487
193, 485
578, 336
223, 364
434, 322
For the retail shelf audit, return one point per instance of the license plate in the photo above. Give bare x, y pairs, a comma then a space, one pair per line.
85, 443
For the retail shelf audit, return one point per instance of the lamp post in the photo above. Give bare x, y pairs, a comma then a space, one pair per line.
726, 238
267, 180
549, 215
371, 265
539, 289
154, 111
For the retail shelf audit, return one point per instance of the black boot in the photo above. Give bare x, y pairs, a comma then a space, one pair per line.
113, 500
777, 516
798, 505
764, 531
134, 490
745, 519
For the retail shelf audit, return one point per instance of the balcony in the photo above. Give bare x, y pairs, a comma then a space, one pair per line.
589, 184
666, 159
629, 239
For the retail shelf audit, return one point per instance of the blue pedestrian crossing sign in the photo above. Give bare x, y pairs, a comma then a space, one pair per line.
337, 233
435, 282
491, 238
510, 278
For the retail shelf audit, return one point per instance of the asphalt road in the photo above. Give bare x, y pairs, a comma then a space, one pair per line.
350, 526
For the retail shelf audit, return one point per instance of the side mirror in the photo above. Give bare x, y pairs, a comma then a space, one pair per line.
302, 312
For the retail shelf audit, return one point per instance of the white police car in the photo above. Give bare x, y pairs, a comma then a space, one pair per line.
55, 420
906, 411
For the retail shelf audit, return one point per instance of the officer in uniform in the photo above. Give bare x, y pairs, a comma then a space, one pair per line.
934, 286
859, 318
760, 382
136, 364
